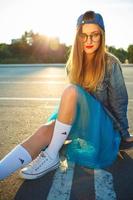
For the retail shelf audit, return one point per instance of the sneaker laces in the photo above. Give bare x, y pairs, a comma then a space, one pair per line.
38, 160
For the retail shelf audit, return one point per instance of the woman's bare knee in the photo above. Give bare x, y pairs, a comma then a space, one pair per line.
68, 105
70, 92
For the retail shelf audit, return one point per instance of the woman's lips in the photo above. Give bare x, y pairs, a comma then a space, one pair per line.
88, 47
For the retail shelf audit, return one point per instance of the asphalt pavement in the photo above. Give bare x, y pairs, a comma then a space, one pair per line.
28, 95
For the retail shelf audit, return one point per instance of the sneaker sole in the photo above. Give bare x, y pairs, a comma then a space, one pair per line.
35, 176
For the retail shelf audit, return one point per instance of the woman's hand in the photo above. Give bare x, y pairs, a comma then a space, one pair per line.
129, 139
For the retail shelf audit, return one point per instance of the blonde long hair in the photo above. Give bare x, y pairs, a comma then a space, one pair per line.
75, 65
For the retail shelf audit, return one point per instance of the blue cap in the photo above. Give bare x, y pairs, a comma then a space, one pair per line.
97, 20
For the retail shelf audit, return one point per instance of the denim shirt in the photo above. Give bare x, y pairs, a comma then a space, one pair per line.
112, 93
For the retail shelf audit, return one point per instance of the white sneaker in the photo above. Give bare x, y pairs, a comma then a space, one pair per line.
40, 166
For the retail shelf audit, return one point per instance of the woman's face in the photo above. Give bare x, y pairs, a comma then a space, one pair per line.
91, 38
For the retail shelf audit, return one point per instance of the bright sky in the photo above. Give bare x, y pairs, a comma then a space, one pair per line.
58, 18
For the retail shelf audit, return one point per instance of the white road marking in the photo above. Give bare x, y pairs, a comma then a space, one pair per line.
52, 106
34, 99
129, 83
29, 99
44, 82
104, 185
130, 100
34, 65
62, 183
37, 76
32, 82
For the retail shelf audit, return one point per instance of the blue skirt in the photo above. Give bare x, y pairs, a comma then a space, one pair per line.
95, 142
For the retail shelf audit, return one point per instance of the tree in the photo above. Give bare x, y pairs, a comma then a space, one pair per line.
130, 53
4, 51
119, 53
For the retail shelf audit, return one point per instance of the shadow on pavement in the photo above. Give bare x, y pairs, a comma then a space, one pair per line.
122, 172
35, 189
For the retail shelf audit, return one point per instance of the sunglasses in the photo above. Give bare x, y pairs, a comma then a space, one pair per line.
95, 37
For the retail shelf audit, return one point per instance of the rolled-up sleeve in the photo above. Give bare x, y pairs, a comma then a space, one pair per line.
118, 98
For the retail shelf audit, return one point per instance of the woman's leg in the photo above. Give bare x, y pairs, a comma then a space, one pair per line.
29, 149
43, 136
49, 159
40, 139
64, 121
23, 153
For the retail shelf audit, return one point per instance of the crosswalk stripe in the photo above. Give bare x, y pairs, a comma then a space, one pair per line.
104, 185
62, 182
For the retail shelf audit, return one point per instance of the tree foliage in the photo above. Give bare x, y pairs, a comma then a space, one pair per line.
130, 53
120, 53
36, 48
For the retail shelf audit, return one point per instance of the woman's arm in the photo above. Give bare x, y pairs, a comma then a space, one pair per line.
118, 98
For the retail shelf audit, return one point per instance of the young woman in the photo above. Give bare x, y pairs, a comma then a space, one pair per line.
92, 111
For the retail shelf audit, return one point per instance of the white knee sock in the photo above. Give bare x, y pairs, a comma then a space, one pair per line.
60, 134
15, 159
